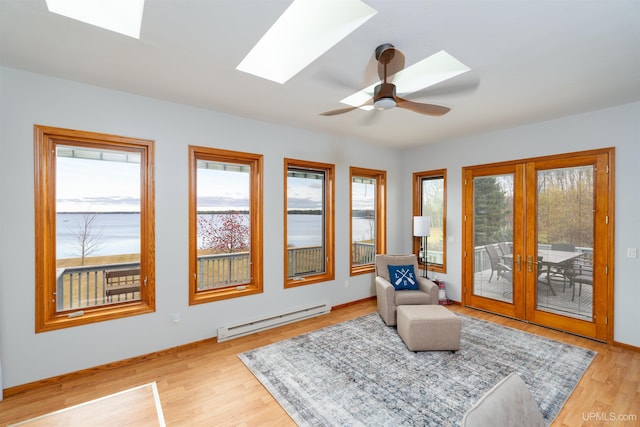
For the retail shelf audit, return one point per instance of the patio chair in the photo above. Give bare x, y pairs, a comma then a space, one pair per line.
580, 273
389, 298
504, 248
497, 264
543, 275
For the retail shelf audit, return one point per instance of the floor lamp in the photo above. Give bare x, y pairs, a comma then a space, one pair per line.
421, 228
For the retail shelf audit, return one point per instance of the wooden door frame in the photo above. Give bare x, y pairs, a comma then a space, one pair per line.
604, 224
516, 308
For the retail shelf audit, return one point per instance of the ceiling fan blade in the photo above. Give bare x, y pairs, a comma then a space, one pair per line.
394, 61
338, 111
417, 107
444, 89
345, 110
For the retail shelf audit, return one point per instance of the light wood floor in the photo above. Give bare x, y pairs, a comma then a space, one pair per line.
207, 385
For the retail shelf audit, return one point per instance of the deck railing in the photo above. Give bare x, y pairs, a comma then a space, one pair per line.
222, 270
363, 253
80, 287
304, 260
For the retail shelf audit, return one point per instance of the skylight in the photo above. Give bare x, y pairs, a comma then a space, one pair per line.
306, 30
121, 16
432, 70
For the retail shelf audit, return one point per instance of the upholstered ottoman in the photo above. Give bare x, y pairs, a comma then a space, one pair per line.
428, 327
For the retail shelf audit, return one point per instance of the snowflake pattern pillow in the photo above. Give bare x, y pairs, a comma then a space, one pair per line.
403, 277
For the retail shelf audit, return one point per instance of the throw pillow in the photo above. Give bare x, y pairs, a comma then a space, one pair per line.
403, 277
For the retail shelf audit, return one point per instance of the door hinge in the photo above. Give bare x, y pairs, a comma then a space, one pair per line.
606, 269
607, 168
606, 219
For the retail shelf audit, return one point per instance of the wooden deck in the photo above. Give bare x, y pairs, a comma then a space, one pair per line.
563, 302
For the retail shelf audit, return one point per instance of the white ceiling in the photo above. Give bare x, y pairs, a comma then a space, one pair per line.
530, 60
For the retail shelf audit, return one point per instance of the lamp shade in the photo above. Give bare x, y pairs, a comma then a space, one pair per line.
421, 226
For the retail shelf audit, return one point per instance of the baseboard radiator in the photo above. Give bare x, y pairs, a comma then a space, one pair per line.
228, 332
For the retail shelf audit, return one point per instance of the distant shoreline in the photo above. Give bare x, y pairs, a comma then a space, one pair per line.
97, 213
356, 212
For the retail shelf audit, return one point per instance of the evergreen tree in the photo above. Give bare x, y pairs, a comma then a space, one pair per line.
493, 214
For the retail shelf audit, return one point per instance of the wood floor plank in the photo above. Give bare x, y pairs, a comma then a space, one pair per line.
206, 383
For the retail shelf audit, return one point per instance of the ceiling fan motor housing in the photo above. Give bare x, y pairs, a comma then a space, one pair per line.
388, 50
384, 96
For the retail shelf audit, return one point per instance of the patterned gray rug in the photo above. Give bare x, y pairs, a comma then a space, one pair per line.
359, 373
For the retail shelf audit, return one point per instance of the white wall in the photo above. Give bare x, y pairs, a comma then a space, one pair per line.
617, 127
27, 99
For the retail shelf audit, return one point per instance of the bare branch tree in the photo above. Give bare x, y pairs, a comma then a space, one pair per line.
88, 238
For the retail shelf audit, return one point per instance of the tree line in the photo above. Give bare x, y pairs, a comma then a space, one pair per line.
565, 204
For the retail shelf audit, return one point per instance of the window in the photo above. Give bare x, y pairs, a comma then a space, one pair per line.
94, 227
368, 218
308, 222
225, 224
430, 199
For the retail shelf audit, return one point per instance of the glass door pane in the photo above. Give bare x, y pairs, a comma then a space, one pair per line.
565, 241
493, 209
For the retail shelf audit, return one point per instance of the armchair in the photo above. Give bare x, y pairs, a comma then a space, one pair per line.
389, 298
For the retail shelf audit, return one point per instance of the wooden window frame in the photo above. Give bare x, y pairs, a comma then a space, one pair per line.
329, 222
418, 177
255, 163
380, 216
45, 140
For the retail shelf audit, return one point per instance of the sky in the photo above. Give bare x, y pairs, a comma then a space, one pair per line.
85, 185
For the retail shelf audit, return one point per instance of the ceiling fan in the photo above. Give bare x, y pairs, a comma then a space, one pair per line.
390, 61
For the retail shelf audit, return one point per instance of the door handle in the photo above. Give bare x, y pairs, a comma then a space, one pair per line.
518, 262
530, 263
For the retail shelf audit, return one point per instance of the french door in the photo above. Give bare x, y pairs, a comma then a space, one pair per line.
538, 241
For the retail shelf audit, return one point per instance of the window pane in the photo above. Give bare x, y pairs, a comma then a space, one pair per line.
223, 224
433, 206
97, 226
305, 222
363, 220
493, 210
565, 226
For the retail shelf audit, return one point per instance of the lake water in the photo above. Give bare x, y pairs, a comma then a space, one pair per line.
120, 232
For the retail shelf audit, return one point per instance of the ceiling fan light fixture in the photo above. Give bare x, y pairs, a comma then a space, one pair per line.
384, 103
432, 70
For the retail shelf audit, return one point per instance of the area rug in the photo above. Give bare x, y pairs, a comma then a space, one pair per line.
359, 373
